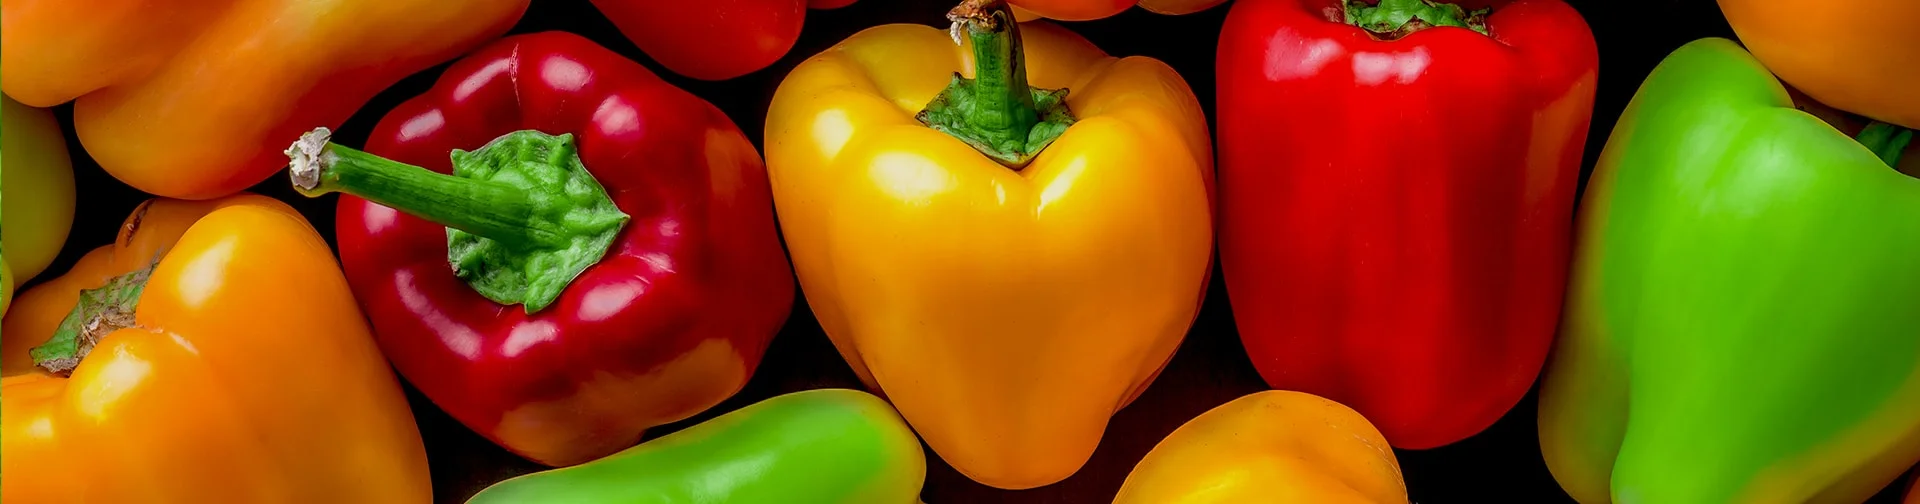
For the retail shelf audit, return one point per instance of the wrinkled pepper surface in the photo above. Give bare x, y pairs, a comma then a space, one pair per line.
213, 353
1275, 446
1862, 56
630, 221
1397, 200
152, 83
1740, 323
1007, 264
1083, 10
713, 39
40, 196
814, 447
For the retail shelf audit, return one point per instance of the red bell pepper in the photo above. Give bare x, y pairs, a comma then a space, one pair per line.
712, 39
1397, 199
1086, 10
672, 320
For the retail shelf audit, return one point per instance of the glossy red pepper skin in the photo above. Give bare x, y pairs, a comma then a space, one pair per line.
712, 39
669, 323
1396, 213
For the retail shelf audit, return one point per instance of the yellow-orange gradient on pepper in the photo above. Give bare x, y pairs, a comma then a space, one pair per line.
245, 375
1006, 313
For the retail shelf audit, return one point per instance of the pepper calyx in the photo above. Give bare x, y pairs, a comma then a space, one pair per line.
524, 217
996, 112
1393, 19
100, 311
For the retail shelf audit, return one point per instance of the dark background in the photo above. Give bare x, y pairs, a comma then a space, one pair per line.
1503, 463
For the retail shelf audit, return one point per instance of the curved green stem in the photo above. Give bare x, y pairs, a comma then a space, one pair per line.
997, 111
524, 216
492, 210
1392, 19
1886, 141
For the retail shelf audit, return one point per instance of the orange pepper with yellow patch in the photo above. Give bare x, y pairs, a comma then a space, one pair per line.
212, 354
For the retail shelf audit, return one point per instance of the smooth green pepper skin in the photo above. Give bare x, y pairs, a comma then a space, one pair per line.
818, 446
1744, 319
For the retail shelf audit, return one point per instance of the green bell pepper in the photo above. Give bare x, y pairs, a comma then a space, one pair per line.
1743, 323
818, 446
39, 179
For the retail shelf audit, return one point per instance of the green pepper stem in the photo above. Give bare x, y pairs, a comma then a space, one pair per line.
1392, 19
523, 215
491, 210
1886, 141
1003, 101
997, 111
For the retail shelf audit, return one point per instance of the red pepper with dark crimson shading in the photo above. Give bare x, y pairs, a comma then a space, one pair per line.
1397, 185
602, 260
713, 39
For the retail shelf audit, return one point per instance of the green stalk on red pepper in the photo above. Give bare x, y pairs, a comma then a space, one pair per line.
1743, 323
630, 221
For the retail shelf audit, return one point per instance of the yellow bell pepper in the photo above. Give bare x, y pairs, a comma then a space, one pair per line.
1275, 446
212, 354
38, 178
1009, 267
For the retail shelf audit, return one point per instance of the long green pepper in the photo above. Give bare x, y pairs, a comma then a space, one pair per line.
816, 447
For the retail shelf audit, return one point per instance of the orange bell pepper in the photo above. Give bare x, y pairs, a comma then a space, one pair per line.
153, 82
1861, 56
240, 371
1275, 446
